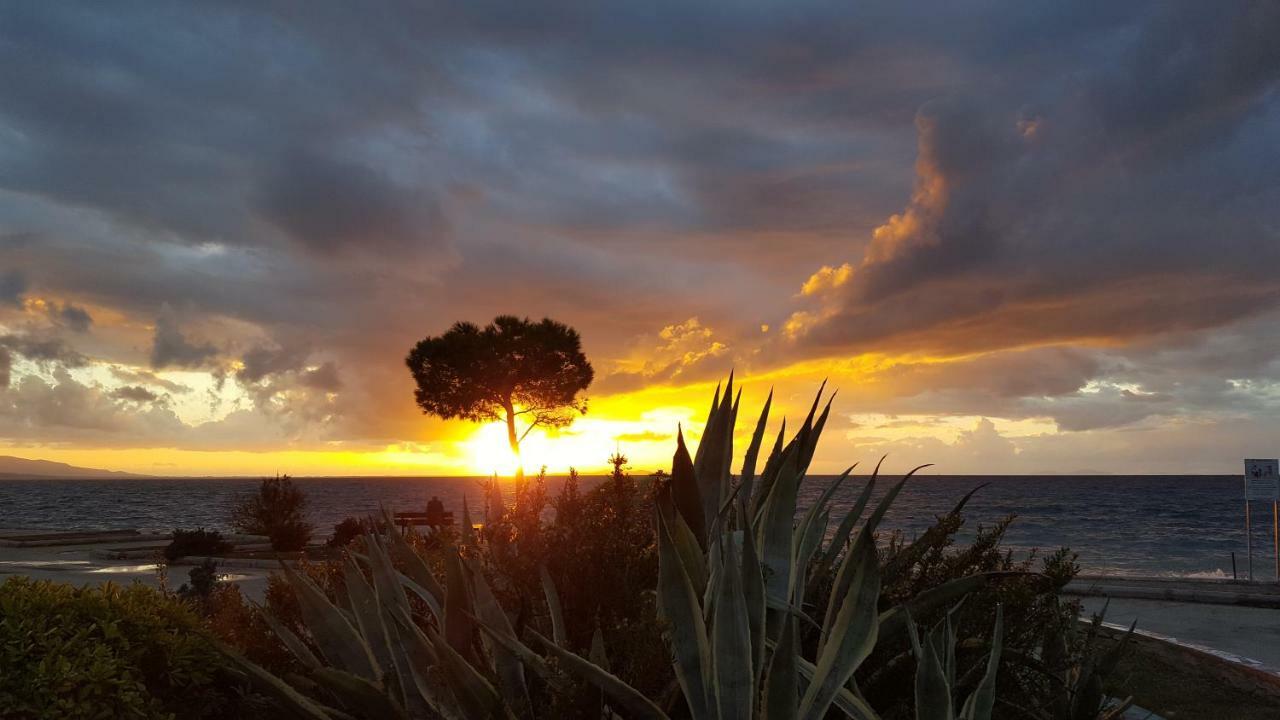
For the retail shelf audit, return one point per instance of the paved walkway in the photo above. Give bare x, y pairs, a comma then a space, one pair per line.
1243, 634
84, 564
1201, 591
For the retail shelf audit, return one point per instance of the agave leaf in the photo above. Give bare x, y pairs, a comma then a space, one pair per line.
711, 416
753, 451
387, 599
624, 697
553, 606
700, 455
531, 659
983, 700
933, 697
808, 535
821, 504
841, 585
355, 692
711, 463
781, 685
473, 694
684, 491
855, 630
292, 642
478, 698
753, 593
289, 700
510, 669
811, 438
806, 545
767, 476
598, 654
416, 693
678, 604
415, 567
845, 701
894, 620
776, 530
731, 649
364, 605
845, 531
339, 641
458, 608
695, 562
425, 595
386, 579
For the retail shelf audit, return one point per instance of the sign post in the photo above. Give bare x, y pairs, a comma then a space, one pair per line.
1262, 482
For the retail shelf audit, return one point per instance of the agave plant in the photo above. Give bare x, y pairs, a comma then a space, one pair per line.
735, 594
735, 566
936, 676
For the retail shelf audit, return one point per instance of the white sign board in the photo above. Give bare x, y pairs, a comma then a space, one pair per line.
1261, 479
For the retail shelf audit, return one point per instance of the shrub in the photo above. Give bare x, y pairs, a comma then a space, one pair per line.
345, 532
109, 651
196, 542
203, 579
277, 510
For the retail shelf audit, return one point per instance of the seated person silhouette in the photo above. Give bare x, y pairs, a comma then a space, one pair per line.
435, 511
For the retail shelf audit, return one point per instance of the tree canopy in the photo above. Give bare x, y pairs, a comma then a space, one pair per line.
514, 370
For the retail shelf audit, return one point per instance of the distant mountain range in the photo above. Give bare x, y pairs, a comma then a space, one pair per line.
16, 468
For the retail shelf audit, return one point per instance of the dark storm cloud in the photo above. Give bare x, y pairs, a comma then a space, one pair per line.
324, 378
135, 393
330, 206
1135, 194
171, 348
71, 316
47, 349
13, 284
259, 362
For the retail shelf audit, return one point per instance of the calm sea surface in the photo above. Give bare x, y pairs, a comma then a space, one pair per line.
1174, 525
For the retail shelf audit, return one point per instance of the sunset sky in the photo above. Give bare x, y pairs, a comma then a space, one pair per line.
1018, 237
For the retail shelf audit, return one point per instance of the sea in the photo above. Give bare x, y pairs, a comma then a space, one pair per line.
1188, 526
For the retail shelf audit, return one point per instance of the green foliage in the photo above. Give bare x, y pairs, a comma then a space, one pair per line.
196, 542
510, 369
278, 510
109, 651
763, 613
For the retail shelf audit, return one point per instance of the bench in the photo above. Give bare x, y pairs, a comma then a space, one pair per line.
410, 519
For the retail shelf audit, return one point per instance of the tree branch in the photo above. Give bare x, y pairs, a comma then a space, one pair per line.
532, 425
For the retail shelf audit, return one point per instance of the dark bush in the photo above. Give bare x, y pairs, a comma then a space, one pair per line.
196, 542
277, 510
98, 652
351, 528
203, 579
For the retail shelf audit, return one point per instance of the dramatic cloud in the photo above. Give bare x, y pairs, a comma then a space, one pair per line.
1134, 196
1047, 227
171, 347
12, 286
73, 317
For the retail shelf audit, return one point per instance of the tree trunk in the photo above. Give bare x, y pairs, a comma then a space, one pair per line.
512, 438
